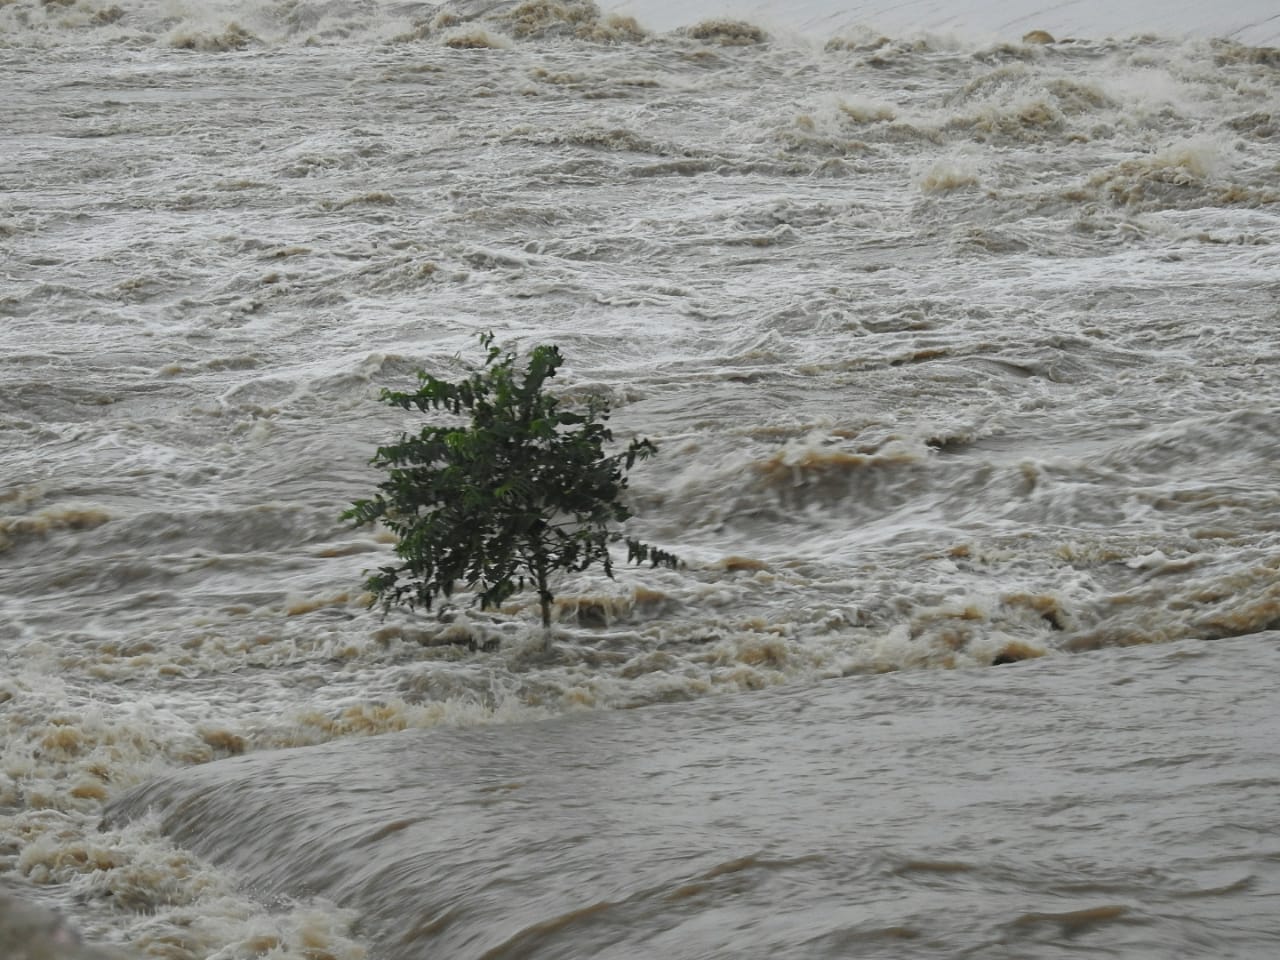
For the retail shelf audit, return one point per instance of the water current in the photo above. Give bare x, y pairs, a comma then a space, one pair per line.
960, 353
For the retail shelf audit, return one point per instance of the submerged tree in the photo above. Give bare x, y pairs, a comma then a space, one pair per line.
516, 489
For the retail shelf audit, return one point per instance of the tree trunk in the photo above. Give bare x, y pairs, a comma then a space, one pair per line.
544, 599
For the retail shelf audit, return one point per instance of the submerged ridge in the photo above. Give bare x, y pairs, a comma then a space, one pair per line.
685, 829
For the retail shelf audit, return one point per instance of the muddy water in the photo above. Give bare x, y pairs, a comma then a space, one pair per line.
1121, 806
957, 352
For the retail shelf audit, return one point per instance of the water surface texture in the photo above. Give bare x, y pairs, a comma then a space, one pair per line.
918, 815
959, 349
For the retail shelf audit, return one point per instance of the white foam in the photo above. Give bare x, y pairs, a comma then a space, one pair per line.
1253, 22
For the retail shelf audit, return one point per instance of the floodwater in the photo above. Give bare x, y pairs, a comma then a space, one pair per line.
958, 351
1125, 805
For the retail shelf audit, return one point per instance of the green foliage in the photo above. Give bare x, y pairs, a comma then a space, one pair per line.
514, 490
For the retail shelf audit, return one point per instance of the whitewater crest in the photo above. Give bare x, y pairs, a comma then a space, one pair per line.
241, 25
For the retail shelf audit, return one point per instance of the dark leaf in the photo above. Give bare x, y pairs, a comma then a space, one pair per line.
522, 490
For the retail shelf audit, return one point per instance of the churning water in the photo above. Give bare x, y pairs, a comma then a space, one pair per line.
959, 352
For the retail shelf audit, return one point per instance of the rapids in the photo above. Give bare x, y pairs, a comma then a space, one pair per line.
959, 349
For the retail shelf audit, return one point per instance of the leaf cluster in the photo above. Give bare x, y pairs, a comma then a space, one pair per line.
513, 489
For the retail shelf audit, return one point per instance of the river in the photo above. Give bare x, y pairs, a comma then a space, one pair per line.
959, 349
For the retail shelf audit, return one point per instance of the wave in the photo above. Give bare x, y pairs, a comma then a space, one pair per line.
236, 25
1247, 21
680, 826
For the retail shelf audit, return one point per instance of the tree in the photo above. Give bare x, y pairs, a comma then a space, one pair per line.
514, 490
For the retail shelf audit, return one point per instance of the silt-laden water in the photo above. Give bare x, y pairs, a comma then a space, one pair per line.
957, 353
